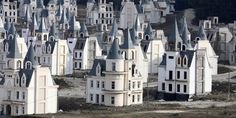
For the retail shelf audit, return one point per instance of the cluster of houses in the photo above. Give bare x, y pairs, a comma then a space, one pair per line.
119, 56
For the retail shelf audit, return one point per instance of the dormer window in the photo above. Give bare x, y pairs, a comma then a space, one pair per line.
6, 47
49, 49
17, 80
23, 79
183, 47
51, 38
82, 35
98, 70
39, 37
45, 37
28, 65
10, 37
147, 37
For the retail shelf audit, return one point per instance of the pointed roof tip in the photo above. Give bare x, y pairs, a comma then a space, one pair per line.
128, 43
53, 30
114, 52
42, 27
34, 24
27, 17
114, 28
63, 17
12, 29
137, 25
202, 33
184, 25
83, 29
72, 24
30, 55
59, 12
14, 49
148, 31
174, 35
186, 40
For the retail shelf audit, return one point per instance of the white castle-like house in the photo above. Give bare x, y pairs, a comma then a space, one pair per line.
186, 71
116, 80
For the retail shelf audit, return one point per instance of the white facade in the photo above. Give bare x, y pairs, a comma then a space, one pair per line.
8, 11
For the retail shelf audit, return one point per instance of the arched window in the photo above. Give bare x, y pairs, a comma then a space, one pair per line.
39, 37
179, 61
140, 35
183, 47
179, 46
18, 64
147, 37
8, 63
45, 37
28, 65
185, 61
10, 37
49, 49
17, 80
126, 56
23, 78
51, 38
82, 35
98, 70
6, 47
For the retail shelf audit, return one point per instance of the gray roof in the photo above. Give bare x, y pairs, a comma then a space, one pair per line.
30, 56
134, 37
128, 44
80, 44
137, 25
12, 29
184, 26
185, 38
92, 1
114, 52
44, 13
27, 1
139, 9
114, 28
52, 2
34, 24
96, 62
84, 30
68, 15
42, 27
60, 2
59, 11
188, 53
174, 35
28, 74
7, 25
13, 49
148, 30
27, 17
201, 33
72, 24
52, 44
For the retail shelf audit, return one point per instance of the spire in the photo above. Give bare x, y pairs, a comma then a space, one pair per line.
114, 28
42, 27
185, 38
63, 17
114, 52
27, 15
72, 24
84, 30
184, 26
34, 24
53, 30
14, 50
202, 33
58, 11
30, 56
128, 44
68, 15
148, 30
134, 37
7, 25
137, 24
40, 4
12, 29
174, 35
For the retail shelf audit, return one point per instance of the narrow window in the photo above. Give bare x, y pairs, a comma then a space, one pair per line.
185, 75
133, 98
98, 84
17, 95
170, 75
91, 83
178, 74
170, 87
103, 84
185, 88
113, 66
91, 97
103, 98
112, 100
163, 86
178, 88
